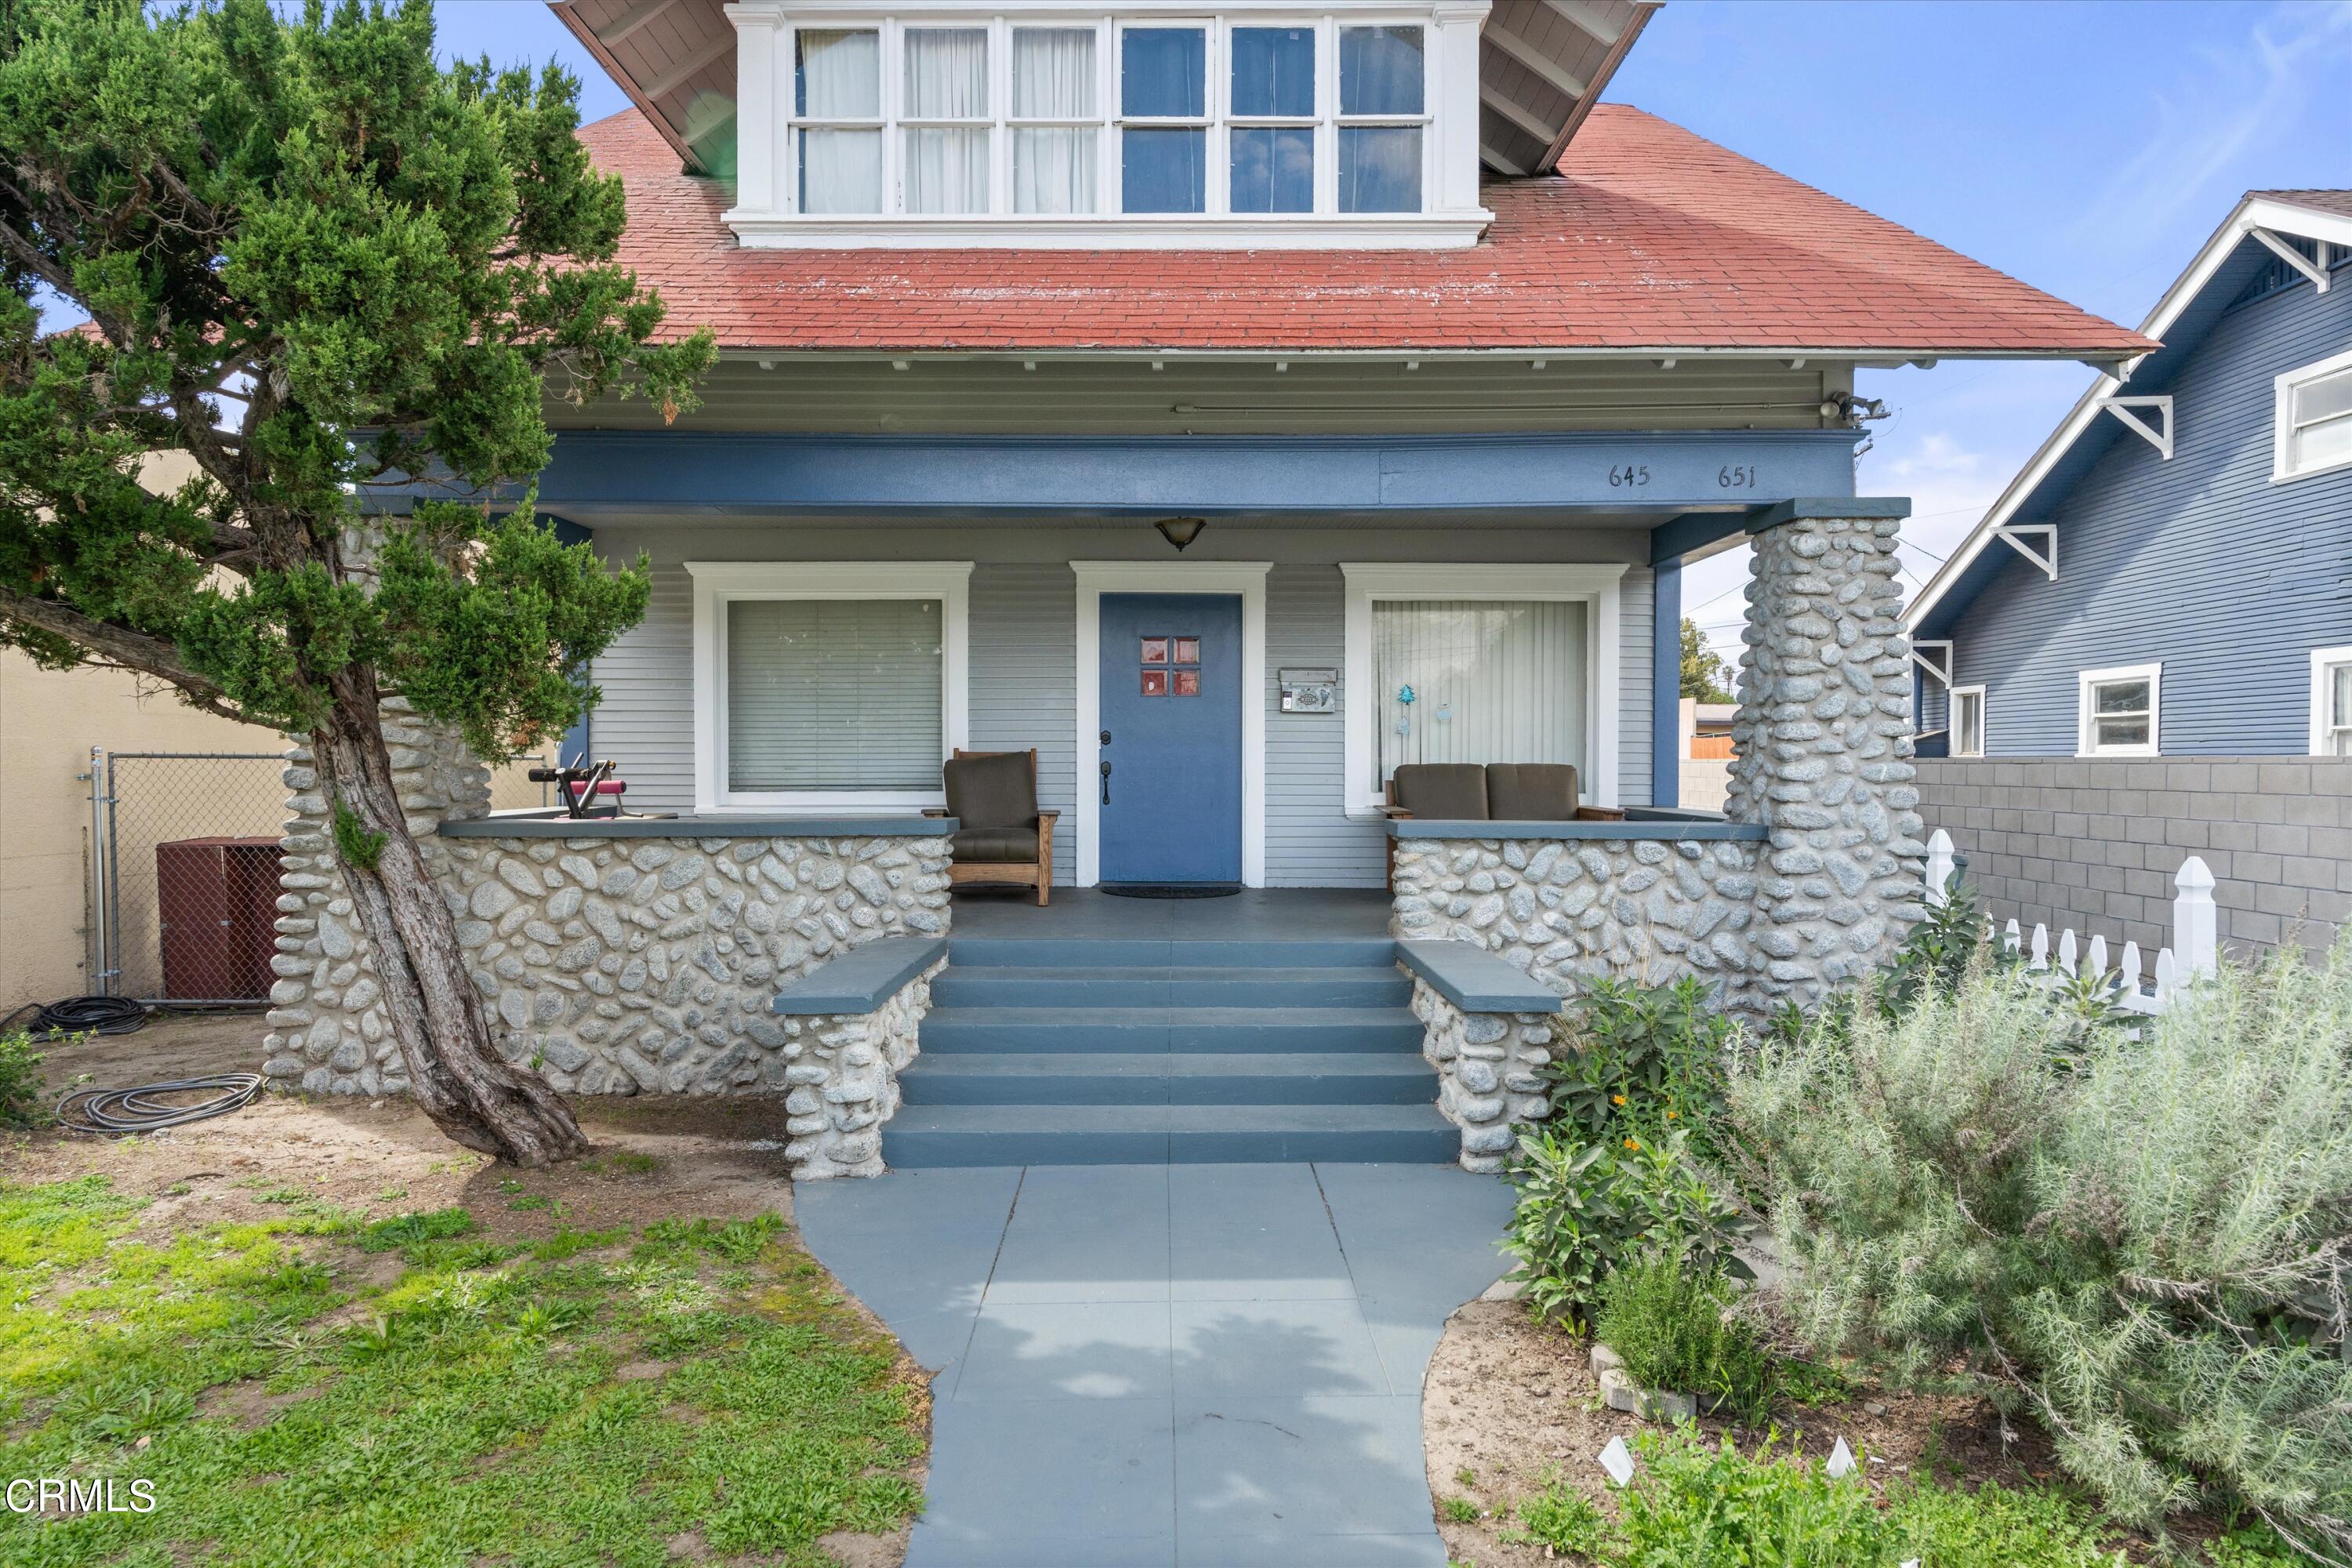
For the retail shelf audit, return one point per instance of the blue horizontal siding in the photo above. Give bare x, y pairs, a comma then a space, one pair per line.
2200, 563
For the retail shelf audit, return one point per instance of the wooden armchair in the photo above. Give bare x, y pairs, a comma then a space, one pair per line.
1001, 834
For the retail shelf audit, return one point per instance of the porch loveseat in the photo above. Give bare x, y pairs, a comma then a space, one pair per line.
1487, 791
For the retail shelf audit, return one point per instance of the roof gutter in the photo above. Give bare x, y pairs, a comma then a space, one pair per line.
1875, 357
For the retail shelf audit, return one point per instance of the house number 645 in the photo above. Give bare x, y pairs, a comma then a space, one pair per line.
1634, 474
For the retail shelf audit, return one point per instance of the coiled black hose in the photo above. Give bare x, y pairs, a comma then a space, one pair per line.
137, 1109
81, 1016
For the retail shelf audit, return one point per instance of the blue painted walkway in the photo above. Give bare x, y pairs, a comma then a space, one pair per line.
1169, 1365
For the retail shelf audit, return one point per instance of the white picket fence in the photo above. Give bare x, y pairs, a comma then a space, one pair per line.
2195, 950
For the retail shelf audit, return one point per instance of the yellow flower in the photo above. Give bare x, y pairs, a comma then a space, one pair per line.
1671, 1115
1618, 1097
1633, 1143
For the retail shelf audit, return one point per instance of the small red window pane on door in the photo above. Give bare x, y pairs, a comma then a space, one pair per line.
1155, 650
1187, 651
1187, 682
1155, 683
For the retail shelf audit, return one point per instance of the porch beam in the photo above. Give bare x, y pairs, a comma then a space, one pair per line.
1639, 478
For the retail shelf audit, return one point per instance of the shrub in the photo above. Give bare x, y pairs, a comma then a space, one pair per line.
23, 1102
1563, 1519
2142, 1235
1669, 1324
1588, 1207
1694, 1504
1639, 1059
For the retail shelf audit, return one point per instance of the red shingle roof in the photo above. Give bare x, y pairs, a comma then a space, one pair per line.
1655, 238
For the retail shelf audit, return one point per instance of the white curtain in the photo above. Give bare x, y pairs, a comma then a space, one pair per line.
947, 79
840, 78
1054, 78
1493, 681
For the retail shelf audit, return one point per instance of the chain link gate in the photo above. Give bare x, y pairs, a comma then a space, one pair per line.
185, 883
183, 880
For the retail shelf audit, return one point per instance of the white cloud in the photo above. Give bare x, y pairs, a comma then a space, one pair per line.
2225, 106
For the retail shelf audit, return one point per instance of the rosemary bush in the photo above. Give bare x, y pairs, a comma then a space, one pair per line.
2143, 1234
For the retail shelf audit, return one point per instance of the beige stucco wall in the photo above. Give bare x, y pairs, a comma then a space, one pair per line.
49, 721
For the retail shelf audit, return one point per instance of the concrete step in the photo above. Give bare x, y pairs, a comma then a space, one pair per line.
1128, 1078
1104, 1030
924, 1136
1030, 985
1085, 953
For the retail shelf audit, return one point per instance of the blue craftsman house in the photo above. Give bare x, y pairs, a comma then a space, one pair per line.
2171, 575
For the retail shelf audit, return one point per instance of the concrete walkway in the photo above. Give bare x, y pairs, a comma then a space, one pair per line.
1169, 1365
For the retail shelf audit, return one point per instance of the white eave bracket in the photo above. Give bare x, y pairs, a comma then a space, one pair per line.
2156, 433
2314, 270
1936, 659
2016, 535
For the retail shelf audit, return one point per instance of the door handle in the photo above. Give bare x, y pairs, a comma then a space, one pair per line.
1106, 784
1106, 737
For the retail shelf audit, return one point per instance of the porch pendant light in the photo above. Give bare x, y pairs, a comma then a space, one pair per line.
1181, 531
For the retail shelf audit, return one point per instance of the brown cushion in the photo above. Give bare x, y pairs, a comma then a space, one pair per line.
1530, 791
997, 846
992, 790
1446, 792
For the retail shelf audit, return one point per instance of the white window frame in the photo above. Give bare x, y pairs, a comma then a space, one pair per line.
2324, 663
719, 583
1599, 586
2282, 431
2088, 680
1952, 699
767, 212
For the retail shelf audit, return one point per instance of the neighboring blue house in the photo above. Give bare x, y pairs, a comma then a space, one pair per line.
2170, 577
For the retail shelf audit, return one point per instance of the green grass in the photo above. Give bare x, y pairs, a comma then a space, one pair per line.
467, 1411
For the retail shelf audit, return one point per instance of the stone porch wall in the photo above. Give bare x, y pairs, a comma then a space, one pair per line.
1823, 767
1489, 1071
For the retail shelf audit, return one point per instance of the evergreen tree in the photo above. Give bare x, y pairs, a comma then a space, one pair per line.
314, 261
1705, 675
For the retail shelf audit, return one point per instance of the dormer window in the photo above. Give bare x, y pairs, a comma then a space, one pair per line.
958, 124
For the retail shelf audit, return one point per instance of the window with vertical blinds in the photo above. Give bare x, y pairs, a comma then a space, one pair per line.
834, 694
1492, 680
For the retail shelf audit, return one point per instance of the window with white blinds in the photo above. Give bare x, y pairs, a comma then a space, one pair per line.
1491, 680
834, 695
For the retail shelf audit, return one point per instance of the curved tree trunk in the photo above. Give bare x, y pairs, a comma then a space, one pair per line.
436, 1015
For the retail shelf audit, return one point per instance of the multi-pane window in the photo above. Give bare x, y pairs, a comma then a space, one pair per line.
2331, 703
944, 119
2117, 711
1110, 116
1270, 120
1163, 114
1382, 99
2315, 419
1967, 721
837, 120
1056, 138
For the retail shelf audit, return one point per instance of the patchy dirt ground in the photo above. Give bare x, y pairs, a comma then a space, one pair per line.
654, 1158
1511, 1404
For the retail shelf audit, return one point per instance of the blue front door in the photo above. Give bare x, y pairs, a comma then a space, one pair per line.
1170, 788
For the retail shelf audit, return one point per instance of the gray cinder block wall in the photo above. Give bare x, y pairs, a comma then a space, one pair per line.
2093, 844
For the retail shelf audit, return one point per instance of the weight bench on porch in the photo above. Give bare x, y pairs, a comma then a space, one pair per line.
1000, 836
1487, 791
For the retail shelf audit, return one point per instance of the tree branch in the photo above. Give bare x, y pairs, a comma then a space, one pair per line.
121, 646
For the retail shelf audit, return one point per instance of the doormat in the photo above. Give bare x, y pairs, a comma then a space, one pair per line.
1172, 890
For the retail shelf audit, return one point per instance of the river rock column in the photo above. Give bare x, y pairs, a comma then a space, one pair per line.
1822, 750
